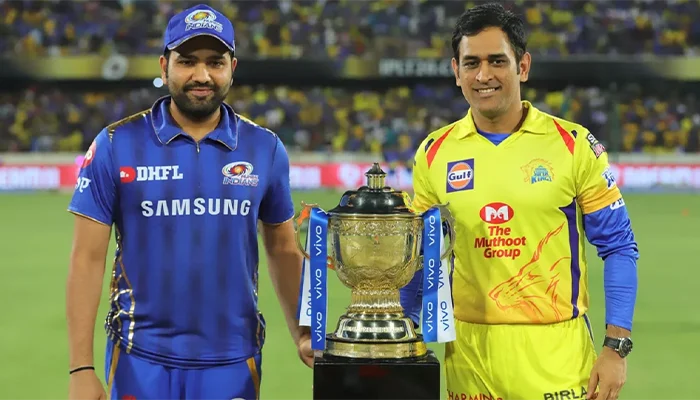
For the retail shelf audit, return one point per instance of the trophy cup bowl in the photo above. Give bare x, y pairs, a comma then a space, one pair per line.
374, 246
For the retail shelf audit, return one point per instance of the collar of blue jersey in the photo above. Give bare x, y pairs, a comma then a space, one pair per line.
167, 129
535, 122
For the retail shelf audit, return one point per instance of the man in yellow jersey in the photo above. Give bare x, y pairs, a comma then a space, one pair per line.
525, 189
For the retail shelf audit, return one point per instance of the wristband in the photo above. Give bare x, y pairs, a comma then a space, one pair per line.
81, 369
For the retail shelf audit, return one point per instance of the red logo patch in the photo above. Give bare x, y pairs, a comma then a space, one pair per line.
127, 174
496, 213
90, 155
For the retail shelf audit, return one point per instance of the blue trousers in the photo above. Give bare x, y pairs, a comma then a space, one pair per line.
132, 378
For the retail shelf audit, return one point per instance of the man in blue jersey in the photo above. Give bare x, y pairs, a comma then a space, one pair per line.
184, 185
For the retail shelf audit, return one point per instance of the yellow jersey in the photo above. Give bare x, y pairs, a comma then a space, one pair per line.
518, 207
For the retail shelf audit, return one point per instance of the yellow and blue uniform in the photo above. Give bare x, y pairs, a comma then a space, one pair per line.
520, 280
183, 319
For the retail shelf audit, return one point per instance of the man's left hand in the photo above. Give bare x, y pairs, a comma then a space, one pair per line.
608, 375
306, 353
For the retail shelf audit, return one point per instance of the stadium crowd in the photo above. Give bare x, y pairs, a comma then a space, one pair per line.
343, 28
339, 119
390, 121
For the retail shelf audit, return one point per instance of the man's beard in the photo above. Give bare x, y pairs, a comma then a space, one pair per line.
196, 109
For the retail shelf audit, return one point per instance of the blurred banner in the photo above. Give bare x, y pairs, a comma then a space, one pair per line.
646, 176
118, 67
570, 69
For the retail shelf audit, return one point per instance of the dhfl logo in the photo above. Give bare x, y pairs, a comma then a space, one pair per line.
127, 174
90, 155
150, 173
460, 175
496, 213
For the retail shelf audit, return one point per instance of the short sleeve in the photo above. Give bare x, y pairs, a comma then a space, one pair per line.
276, 206
423, 195
595, 184
95, 191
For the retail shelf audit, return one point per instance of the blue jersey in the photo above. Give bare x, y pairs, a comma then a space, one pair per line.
184, 281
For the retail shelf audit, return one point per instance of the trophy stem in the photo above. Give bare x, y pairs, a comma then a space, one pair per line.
375, 301
375, 326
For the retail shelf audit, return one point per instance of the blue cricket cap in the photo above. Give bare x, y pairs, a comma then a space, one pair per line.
197, 21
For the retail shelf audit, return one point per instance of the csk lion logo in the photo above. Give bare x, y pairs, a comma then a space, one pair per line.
523, 291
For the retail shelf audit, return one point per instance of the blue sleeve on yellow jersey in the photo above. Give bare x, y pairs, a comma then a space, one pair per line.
610, 231
411, 295
95, 191
277, 207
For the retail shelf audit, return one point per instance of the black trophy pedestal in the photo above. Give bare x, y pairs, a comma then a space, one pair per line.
360, 379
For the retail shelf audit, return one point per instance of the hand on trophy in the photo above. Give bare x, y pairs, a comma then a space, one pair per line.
306, 354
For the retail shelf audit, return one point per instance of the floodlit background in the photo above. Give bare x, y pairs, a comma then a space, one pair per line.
344, 84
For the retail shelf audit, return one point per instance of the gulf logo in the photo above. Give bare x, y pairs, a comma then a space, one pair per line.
460, 175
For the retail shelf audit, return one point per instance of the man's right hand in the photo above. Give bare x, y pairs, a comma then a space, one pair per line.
85, 385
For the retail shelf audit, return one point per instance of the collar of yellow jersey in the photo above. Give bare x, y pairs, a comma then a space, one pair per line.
535, 122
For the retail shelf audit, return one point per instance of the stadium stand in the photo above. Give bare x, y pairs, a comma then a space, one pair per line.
339, 29
384, 121
393, 121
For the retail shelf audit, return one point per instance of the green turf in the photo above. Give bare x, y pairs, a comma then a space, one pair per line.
35, 238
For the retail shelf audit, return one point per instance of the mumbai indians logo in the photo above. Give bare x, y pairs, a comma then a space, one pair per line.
202, 19
239, 173
538, 171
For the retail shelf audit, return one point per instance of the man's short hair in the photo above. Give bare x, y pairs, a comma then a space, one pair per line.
491, 15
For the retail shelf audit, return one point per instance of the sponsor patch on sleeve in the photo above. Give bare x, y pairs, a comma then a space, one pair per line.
597, 147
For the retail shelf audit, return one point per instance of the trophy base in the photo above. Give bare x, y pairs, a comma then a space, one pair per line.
375, 350
375, 336
348, 378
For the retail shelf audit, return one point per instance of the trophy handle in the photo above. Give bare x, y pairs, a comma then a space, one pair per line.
448, 219
304, 215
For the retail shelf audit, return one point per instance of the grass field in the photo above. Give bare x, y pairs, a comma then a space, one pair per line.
35, 237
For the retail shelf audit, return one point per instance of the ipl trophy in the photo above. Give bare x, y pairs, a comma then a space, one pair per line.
373, 240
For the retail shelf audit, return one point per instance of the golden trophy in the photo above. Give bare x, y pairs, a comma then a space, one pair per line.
374, 240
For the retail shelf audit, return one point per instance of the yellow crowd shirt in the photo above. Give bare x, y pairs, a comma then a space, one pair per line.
518, 206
